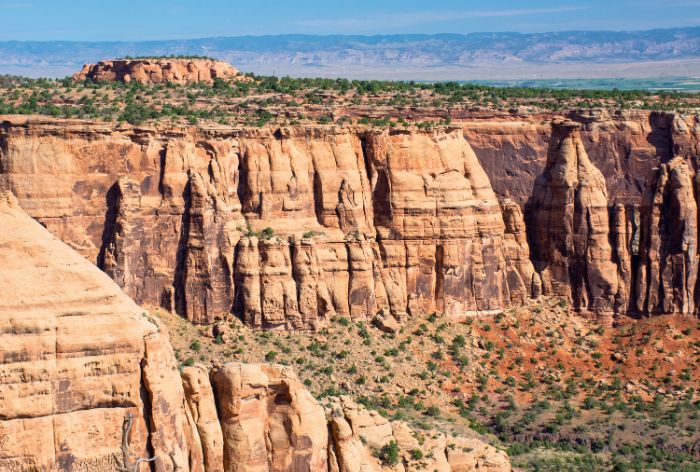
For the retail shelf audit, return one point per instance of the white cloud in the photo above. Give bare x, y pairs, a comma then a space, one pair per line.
410, 19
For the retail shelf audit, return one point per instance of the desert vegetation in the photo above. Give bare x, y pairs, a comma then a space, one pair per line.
289, 101
557, 391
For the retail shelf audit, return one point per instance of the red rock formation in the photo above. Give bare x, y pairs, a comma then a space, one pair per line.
79, 358
356, 432
269, 420
668, 269
204, 417
357, 222
365, 222
635, 253
570, 226
159, 70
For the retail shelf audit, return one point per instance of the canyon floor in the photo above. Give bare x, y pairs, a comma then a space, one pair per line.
558, 392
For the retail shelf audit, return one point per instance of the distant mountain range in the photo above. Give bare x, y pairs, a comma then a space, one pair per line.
581, 54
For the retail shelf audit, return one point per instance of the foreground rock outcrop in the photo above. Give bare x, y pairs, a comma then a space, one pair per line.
358, 434
89, 382
159, 70
79, 358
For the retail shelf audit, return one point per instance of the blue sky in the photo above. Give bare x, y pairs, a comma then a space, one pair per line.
180, 19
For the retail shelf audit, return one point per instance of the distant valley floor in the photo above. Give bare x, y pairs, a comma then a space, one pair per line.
683, 75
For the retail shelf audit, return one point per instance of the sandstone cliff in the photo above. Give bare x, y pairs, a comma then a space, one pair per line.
159, 70
570, 226
611, 205
88, 382
78, 359
285, 228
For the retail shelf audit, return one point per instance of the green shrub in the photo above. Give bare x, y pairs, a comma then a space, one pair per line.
389, 453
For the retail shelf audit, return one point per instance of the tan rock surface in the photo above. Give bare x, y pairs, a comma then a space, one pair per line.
159, 70
358, 434
668, 272
364, 221
269, 420
78, 357
571, 226
202, 407
284, 229
81, 360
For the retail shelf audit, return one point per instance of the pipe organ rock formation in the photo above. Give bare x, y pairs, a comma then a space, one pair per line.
89, 381
632, 254
287, 228
570, 226
668, 266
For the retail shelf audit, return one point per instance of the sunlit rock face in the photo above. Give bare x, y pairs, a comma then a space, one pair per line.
160, 70
284, 229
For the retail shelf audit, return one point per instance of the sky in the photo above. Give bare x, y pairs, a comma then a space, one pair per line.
129, 20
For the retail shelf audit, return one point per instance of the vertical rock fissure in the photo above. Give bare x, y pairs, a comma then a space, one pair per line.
147, 416
162, 154
181, 257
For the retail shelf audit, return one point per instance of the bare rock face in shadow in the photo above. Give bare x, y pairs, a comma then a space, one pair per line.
570, 226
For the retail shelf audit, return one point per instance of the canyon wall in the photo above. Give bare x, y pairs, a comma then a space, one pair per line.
89, 382
286, 228
610, 204
283, 228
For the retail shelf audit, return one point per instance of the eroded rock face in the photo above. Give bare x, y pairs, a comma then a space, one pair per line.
570, 226
159, 70
357, 432
288, 228
284, 229
631, 253
269, 420
668, 270
78, 358
204, 417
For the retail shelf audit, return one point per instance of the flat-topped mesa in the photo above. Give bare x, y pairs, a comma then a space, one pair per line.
160, 70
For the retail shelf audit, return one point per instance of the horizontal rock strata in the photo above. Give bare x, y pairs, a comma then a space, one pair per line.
78, 359
287, 228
